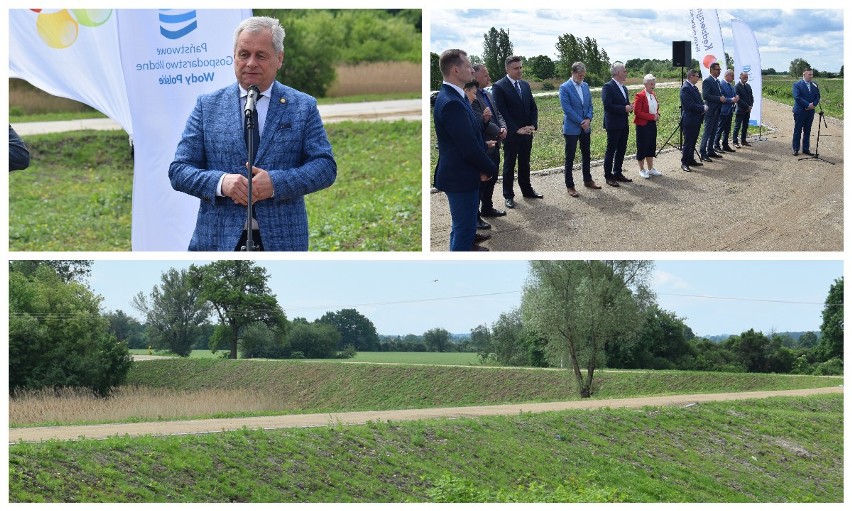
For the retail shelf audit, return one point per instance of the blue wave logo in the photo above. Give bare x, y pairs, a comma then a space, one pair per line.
175, 24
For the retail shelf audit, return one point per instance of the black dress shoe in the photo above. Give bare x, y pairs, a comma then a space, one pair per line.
729, 149
807, 152
478, 248
482, 224
532, 194
717, 148
510, 203
745, 144
493, 212
685, 168
795, 153
480, 237
694, 163
705, 158
612, 182
623, 179
713, 154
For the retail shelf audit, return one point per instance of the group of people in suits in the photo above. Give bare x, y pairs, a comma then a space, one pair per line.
715, 106
471, 129
471, 125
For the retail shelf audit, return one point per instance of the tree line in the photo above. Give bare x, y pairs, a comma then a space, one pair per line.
578, 315
570, 48
317, 40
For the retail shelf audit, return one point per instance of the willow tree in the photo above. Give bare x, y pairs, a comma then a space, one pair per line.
579, 306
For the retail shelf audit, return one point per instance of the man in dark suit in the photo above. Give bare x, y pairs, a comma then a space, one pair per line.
293, 156
515, 102
617, 107
692, 110
720, 141
711, 92
19, 155
805, 99
462, 161
486, 188
744, 106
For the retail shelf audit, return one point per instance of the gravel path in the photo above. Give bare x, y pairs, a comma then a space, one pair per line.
328, 419
760, 198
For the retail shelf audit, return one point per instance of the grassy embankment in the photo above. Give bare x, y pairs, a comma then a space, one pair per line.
173, 389
379, 357
76, 195
771, 450
549, 147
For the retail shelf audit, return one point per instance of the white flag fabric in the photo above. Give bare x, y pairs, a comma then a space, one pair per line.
144, 69
747, 59
169, 57
71, 53
707, 46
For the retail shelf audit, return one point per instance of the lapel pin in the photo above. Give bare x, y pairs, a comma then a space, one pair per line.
282, 100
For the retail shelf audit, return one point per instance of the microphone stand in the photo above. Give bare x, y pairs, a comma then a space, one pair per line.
678, 129
820, 122
251, 107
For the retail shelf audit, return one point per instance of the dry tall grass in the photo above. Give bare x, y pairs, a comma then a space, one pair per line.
133, 403
376, 78
24, 99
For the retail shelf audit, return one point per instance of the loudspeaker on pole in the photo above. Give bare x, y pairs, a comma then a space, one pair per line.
681, 53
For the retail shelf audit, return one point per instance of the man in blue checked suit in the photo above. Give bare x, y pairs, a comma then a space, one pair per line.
462, 160
805, 99
293, 156
576, 101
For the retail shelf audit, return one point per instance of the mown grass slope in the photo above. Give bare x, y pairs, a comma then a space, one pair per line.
771, 450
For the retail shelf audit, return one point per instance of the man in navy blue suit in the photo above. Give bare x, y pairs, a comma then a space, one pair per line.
617, 107
692, 111
711, 92
462, 160
805, 100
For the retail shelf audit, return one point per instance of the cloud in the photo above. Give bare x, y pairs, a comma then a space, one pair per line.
663, 280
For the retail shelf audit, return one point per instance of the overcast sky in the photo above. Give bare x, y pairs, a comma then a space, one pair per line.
782, 35
401, 297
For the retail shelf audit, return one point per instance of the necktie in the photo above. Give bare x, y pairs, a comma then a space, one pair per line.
518, 88
809, 86
255, 132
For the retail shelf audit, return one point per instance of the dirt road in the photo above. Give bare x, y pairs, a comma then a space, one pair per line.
760, 198
325, 419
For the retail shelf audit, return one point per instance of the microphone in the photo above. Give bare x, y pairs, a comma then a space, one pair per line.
251, 100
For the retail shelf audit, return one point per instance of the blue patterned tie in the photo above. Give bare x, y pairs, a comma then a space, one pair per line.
518, 88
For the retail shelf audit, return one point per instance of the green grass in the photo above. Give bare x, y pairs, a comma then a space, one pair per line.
362, 98
55, 116
780, 88
430, 358
76, 195
772, 450
384, 357
309, 387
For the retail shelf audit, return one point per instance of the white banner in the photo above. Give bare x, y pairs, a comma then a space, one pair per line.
707, 46
142, 68
747, 59
71, 53
169, 57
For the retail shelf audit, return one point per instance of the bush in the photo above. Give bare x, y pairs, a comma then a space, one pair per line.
830, 367
57, 336
297, 354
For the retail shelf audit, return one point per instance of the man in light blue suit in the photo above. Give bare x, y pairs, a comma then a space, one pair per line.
576, 103
805, 100
293, 156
